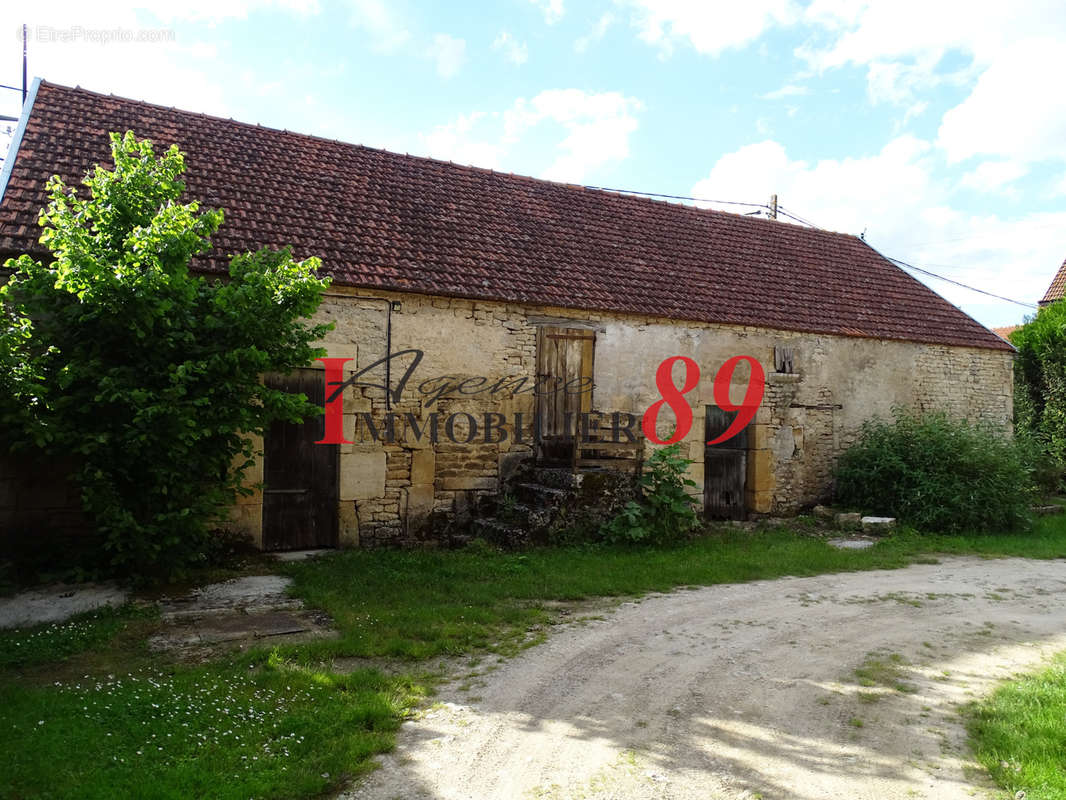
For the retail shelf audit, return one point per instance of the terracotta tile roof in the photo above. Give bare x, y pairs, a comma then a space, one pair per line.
389, 221
1057, 289
1005, 331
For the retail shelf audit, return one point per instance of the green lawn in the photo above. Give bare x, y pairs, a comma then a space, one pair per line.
1019, 734
87, 711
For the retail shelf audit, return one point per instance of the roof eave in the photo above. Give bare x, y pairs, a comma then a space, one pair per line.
20, 129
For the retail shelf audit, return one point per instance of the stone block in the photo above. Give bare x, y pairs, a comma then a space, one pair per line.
759, 502
878, 524
347, 524
467, 482
423, 465
760, 471
362, 475
823, 513
759, 436
419, 502
849, 521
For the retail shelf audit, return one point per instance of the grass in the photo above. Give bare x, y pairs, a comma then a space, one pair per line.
86, 707
886, 670
420, 604
197, 732
1019, 733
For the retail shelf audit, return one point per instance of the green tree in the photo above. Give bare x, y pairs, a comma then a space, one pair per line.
1040, 381
145, 375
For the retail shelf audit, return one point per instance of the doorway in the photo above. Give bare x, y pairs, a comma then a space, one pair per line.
300, 486
564, 355
725, 468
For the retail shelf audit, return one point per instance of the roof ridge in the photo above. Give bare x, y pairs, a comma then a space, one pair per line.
630, 196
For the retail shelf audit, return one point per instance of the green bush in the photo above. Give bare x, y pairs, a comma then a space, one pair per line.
116, 357
1040, 386
666, 512
937, 474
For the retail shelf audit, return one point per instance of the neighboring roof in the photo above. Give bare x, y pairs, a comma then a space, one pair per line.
1057, 289
1006, 331
389, 221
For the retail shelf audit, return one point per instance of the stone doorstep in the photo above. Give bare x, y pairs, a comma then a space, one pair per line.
201, 612
236, 627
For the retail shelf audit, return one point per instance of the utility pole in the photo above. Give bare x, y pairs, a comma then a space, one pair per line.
773, 206
23, 63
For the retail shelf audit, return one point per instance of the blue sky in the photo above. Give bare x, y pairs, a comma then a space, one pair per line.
935, 127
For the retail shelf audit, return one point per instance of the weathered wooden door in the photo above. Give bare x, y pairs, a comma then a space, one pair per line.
725, 468
300, 477
564, 357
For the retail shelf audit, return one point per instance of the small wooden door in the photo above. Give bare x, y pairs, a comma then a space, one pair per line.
725, 468
564, 356
300, 477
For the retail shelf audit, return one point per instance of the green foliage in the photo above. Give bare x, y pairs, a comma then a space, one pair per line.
937, 474
1040, 384
666, 512
147, 376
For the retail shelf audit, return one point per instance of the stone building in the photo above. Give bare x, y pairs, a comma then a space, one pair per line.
527, 299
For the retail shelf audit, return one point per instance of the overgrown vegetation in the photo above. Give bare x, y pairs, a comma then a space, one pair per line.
666, 512
1040, 391
937, 474
145, 376
1019, 736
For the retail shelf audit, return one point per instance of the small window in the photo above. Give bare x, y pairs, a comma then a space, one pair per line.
783, 360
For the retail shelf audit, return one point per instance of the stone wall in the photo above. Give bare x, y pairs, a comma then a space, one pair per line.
389, 491
37, 500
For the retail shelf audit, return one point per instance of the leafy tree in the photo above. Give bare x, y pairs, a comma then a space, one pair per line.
1040, 383
143, 374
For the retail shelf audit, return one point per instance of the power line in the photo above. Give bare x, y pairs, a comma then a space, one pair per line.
678, 197
781, 210
958, 283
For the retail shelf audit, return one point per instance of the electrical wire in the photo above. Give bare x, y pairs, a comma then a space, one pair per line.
784, 212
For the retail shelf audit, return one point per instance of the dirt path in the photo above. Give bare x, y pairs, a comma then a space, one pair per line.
744, 691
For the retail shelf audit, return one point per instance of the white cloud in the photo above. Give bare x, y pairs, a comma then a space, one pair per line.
906, 212
513, 50
553, 10
1011, 111
597, 33
378, 19
990, 176
709, 28
595, 131
789, 90
448, 52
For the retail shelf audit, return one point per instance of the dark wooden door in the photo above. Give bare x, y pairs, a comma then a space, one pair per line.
564, 356
300, 477
725, 468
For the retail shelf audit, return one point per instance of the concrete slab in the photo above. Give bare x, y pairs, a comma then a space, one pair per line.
57, 603
851, 544
301, 555
253, 594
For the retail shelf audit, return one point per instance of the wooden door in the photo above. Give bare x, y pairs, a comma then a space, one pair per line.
564, 356
300, 477
725, 468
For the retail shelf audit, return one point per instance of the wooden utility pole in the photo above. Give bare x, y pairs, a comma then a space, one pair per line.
773, 206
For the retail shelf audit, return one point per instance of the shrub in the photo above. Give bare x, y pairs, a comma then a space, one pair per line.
937, 474
666, 512
1040, 385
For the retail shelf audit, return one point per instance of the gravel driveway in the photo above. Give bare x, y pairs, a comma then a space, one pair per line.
744, 691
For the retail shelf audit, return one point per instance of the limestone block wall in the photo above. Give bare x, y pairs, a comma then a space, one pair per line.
389, 490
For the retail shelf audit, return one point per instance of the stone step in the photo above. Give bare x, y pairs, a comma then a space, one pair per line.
540, 495
558, 477
504, 534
